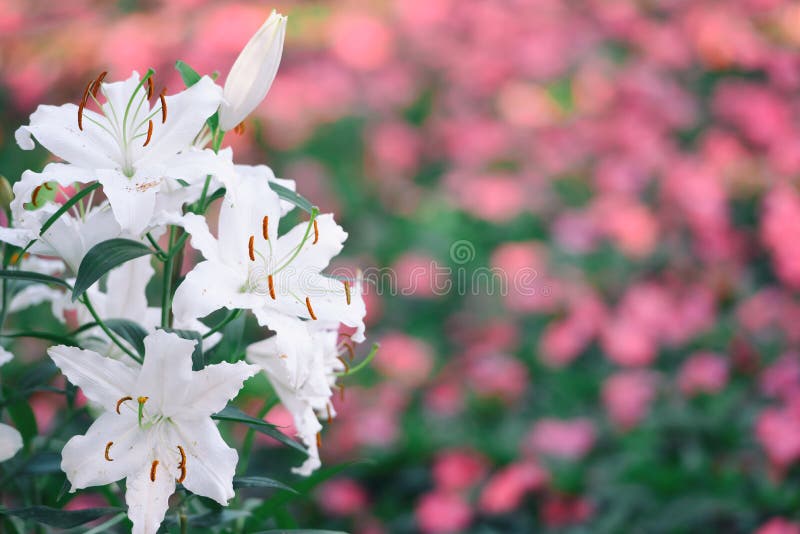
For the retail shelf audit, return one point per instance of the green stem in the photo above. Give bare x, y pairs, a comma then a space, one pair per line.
159, 251
364, 362
232, 316
166, 290
108, 331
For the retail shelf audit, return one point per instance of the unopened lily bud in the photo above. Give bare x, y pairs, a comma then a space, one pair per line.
253, 72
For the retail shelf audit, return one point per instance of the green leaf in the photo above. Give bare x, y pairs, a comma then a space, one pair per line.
24, 420
131, 332
33, 277
300, 531
55, 338
67, 205
234, 414
103, 257
260, 482
287, 194
188, 74
58, 518
198, 358
45, 463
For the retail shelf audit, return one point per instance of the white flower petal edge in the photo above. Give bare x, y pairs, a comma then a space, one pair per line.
310, 399
156, 428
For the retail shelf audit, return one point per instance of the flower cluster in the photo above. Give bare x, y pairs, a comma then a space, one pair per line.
138, 167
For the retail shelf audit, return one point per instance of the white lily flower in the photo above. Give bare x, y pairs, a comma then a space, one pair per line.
134, 149
250, 267
253, 72
10, 438
264, 173
72, 235
124, 298
310, 400
156, 429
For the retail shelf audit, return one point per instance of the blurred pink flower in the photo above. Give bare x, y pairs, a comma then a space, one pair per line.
496, 198
497, 375
524, 265
627, 396
628, 344
778, 525
404, 358
569, 439
395, 146
341, 497
445, 399
703, 372
441, 512
778, 431
360, 41
458, 469
561, 510
505, 489
782, 378
419, 275
781, 221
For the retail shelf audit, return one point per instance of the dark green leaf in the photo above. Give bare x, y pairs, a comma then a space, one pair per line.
55, 338
58, 518
44, 463
33, 277
216, 517
67, 205
103, 257
287, 194
198, 358
260, 482
131, 332
300, 531
231, 413
24, 420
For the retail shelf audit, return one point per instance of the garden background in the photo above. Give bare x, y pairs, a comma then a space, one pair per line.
579, 222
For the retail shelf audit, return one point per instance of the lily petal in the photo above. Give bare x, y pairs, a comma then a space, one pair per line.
291, 346
166, 372
148, 500
211, 286
56, 128
187, 111
210, 462
10, 442
102, 380
132, 199
212, 387
83, 458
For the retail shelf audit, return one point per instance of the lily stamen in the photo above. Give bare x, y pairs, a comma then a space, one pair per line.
35, 195
240, 128
153, 468
105, 454
119, 402
271, 287
265, 227
149, 131
344, 362
149, 87
250, 251
163, 105
310, 309
83, 104
347, 290
319, 440
316, 233
97, 82
330, 418
182, 465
